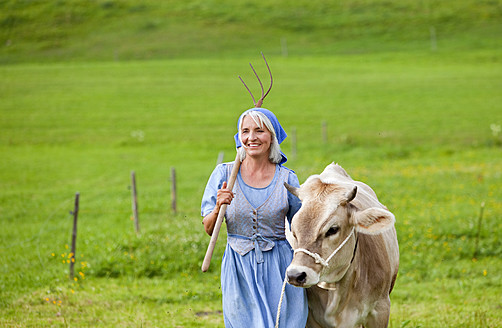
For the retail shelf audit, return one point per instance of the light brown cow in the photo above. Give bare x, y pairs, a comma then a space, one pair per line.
346, 251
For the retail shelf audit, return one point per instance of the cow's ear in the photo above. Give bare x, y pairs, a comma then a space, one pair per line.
291, 189
349, 196
373, 220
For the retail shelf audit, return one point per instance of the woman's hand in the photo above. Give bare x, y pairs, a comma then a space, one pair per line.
223, 196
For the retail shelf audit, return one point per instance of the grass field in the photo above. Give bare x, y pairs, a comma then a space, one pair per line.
421, 127
68, 30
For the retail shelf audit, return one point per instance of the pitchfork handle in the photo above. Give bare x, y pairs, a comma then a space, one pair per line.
221, 215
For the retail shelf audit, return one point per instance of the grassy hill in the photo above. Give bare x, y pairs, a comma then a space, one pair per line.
92, 90
124, 30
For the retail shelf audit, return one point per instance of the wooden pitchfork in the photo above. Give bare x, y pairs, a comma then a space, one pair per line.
233, 174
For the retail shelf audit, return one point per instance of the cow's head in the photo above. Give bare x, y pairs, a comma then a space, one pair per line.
325, 222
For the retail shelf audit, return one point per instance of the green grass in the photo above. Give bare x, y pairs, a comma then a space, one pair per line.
90, 91
414, 127
41, 31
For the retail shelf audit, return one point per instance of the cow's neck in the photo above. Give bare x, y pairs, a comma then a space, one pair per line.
330, 299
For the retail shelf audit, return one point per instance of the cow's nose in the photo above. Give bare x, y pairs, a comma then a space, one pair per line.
296, 277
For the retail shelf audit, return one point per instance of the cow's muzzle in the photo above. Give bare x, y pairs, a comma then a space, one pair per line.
301, 276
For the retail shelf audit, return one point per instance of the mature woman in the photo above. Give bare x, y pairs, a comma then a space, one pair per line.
257, 252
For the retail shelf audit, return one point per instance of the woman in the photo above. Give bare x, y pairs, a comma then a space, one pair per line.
257, 252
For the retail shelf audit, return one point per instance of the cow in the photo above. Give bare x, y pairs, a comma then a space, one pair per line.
346, 252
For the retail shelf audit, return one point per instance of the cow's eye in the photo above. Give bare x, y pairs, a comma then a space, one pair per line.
332, 231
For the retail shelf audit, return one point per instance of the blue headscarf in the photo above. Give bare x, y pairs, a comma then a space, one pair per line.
278, 130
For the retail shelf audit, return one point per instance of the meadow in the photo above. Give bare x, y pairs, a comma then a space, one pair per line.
421, 126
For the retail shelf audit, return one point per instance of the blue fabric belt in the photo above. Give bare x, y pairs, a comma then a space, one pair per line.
254, 239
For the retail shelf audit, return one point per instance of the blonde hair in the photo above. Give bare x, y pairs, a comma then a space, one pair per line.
261, 119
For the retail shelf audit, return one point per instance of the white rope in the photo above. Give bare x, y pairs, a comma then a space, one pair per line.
341, 245
318, 259
280, 301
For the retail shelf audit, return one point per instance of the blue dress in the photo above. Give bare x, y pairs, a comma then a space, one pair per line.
257, 252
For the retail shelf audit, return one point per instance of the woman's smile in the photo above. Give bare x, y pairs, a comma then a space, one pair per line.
256, 139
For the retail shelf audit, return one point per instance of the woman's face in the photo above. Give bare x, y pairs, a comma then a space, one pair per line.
256, 140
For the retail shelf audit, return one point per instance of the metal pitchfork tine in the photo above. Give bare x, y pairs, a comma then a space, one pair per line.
263, 94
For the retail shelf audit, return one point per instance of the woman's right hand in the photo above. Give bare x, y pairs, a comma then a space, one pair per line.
224, 196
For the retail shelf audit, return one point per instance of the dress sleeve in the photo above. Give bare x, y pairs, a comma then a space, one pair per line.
294, 202
214, 183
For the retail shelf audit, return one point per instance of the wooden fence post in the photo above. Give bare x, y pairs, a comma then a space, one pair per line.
173, 189
74, 236
284, 47
220, 157
324, 131
480, 218
135, 202
293, 143
434, 46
